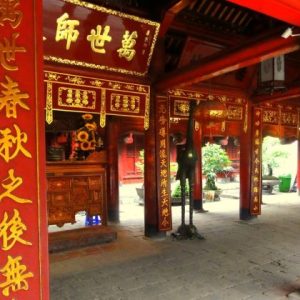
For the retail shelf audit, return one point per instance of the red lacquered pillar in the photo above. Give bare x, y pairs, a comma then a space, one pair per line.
198, 200
245, 165
112, 171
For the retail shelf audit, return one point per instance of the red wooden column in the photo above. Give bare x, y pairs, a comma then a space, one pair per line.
157, 171
24, 267
112, 135
198, 201
298, 166
245, 165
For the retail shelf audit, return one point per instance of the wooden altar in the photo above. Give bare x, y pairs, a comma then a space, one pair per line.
74, 186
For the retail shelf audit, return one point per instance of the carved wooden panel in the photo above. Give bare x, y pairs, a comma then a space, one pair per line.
74, 188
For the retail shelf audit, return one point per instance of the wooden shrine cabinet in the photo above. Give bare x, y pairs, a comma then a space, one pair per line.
74, 186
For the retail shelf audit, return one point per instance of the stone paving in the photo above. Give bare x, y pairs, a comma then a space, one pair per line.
258, 259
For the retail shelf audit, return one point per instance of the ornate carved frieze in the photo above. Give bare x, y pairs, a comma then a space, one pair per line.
71, 92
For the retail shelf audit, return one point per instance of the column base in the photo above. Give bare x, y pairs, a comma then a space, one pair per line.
198, 206
151, 232
113, 216
245, 214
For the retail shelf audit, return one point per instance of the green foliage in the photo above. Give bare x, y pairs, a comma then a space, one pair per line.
140, 163
214, 160
176, 193
273, 153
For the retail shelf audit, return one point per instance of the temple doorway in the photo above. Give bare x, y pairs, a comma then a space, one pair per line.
131, 179
279, 168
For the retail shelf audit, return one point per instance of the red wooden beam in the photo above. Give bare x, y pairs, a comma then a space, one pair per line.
284, 10
171, 14
222, 63
278, 96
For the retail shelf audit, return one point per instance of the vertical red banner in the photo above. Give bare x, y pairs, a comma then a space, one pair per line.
23, 221
256, 168
163, 168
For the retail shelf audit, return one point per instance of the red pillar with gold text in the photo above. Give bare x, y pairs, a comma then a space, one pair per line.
23, 221
298, 166
163, 163
256, 162
151, 205
113, 170
245, 165
198, 200
157, 181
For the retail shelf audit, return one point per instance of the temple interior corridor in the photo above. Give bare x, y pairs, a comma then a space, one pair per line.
258, 259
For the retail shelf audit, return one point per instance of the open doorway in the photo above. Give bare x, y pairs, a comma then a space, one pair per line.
279, 167
131, 179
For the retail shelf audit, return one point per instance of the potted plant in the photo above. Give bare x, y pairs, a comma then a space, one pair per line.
214, 160
176, 192
140, 165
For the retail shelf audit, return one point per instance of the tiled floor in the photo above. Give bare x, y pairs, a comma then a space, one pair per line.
258, 259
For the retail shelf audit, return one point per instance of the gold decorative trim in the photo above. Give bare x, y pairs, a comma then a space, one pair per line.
246, 118
147, 113
112, 12
223, 128
298, 123
103, 109
90, 65
95, 82
49, 104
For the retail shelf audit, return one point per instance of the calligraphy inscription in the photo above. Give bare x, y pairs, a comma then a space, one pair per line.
13, 143
73, 97
124, 103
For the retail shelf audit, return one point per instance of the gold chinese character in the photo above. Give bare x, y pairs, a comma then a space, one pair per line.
14, 183
163, 173
163, 163
257, 133
162, 144
165, 222
162, 120
164, 192
165, 201
165, 212
12, 97
8, 141
11, 231
97, 39
162, 109
162, 132
16, 276
128, 43
162, 153
66, 30
9, 13
164, 183
7, 52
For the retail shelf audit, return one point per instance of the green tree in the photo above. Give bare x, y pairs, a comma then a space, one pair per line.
273, 153
214, 160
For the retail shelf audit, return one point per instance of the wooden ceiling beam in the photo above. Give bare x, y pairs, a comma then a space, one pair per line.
228, 61
207, 34
284, 10
171, 14
279, 96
